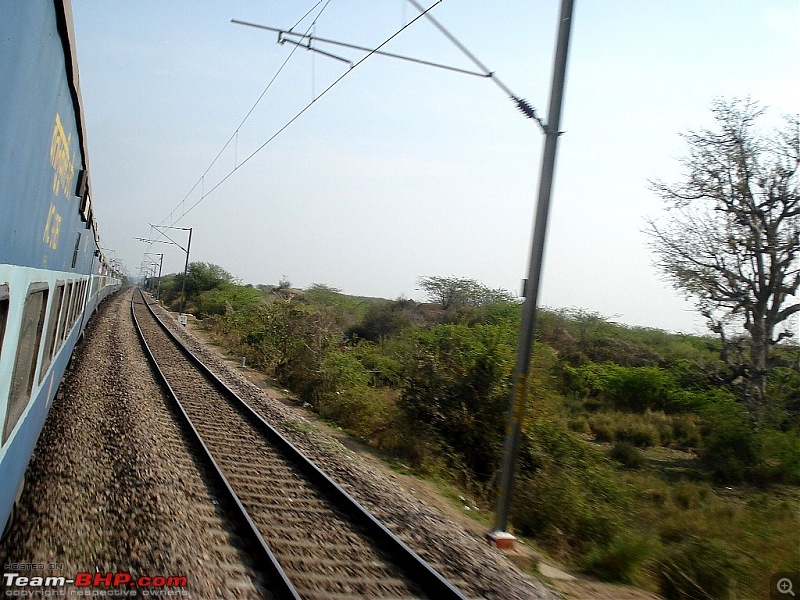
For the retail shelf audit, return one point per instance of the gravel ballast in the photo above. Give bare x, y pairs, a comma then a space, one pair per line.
112, 486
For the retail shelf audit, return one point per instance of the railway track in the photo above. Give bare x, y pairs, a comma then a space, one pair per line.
311, 537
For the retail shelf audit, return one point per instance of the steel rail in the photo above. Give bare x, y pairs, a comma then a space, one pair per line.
247, 528
421, 573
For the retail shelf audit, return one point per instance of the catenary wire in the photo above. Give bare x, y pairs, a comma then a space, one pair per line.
521, 103
305, 108
234, 135
308, 13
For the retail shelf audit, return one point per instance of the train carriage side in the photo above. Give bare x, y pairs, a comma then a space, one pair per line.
52, 269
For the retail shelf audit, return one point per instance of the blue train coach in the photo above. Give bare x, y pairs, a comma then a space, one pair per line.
53, 273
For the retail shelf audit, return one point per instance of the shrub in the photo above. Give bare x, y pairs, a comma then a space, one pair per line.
539, 511
734, 452
617, 426
381, 321
783, 386
639, 433
627, 455
693, 400
568, 494
728, 447
688, 495
621, 560
685, 430
459, 390
387, 361
227, 298
616, 387
663, 425
639, 388
579, 425
698, 569
358, 409
400, 438
603, 427
779, 452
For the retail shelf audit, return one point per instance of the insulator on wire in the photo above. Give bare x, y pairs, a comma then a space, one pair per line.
526, 108
528, 111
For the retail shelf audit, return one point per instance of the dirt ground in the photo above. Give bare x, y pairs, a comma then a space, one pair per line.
571, 586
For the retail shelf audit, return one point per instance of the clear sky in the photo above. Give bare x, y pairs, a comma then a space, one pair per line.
401, 170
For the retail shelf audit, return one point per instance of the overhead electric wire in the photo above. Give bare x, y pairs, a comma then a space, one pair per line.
235, 133
305, 108
521, 103
310, 10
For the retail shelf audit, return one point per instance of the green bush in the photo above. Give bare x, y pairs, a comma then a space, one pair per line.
387, 361
628, 456
622, 559
558, 470
698, 569
226, 299
616, 387
729, 448
359, 409
779, 454
638, 388
459, 389
734, 452
382, 320
639, 430
783, 387
685, 431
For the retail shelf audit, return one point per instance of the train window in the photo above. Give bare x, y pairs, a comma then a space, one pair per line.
82, 298
76, 307
50, 340
4, 303
75, 252
73, 299
63, 328
83, 184
84, 286
30, 337
76, 302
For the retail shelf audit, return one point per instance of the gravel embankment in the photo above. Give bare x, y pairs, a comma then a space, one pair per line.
112, 486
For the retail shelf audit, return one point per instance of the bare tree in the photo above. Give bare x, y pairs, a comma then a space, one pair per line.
731, 239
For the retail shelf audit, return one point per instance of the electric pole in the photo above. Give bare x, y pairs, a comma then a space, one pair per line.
519, 387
